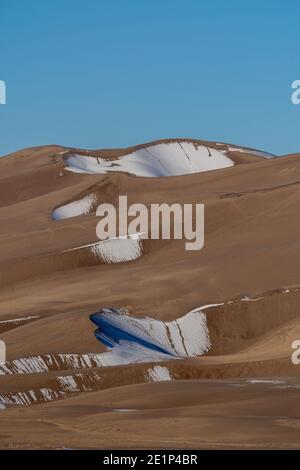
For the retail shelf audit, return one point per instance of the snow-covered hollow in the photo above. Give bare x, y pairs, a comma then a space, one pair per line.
75, 208
146, 339
164, 159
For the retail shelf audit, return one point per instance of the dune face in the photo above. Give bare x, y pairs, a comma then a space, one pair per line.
144, 331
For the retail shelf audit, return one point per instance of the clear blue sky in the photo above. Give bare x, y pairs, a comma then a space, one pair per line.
109, 73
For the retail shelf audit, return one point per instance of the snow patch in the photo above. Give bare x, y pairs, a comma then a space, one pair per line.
164, 159
68, 383
115, 250
118, 250
129, 340
158, 374
132, 340
75, 208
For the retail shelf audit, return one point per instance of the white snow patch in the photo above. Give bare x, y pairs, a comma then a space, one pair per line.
185, 337
118, 250
115, 250
158, 374
130, 353
32, 395
68, 383
75, 208
150, 340
164, 159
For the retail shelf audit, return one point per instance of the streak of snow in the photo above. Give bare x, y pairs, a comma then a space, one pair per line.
124, 410
16, 320
40, 364
258, 153
265, 381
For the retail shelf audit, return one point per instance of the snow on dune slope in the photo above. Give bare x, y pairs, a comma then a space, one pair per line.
48, 362
64, 386
115, 250
75, 208
146, 339
118, 250
129, 340
158, 374
163, 159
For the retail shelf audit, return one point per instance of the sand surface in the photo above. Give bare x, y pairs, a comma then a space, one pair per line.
249, 265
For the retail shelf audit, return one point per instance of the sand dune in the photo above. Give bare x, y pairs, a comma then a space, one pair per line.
184, 414
54, 275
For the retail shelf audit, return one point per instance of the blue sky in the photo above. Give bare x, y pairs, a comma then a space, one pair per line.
109, 73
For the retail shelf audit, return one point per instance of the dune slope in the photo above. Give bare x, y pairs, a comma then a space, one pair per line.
147, 298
